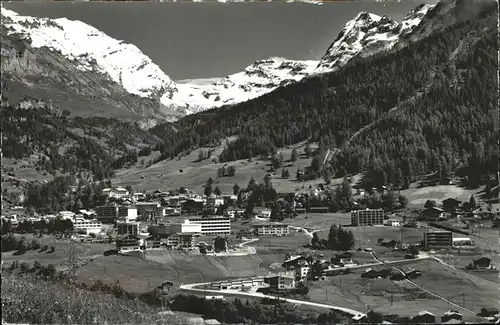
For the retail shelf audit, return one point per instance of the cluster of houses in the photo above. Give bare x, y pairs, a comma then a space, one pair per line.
391, 274
308, 267
456, 209
273, 281
424, 317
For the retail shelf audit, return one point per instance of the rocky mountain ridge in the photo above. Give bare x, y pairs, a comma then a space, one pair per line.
130, 73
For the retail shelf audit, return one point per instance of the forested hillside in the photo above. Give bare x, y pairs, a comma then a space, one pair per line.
67, 145
429, 107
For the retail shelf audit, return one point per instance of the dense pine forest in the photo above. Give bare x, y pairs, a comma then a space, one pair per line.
67, 145
428, 108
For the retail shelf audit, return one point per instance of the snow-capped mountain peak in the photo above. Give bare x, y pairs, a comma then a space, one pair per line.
368, 34
125, 64
92, 50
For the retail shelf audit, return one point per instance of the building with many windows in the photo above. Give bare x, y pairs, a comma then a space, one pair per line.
107, 213
280, 282
214, 226
87, 226
182, 240
368, 217
438, 239
127, 228
185, 227
273, 229
115, 192
127, 213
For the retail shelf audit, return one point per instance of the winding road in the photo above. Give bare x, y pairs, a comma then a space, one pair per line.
191, 288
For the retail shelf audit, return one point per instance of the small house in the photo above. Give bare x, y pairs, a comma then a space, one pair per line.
424, 317
370, 274
451, 314
432, 214
389, 243
413, 274
397, 276
482, 263
489, 312
128, 243
359, 318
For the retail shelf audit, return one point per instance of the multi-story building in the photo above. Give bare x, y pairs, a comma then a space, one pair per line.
128, 243
368, 217
182, 240
115, 192
171, 211
215, 201
438, 239
185, 227
232, 212
149, 210
107, 213
176, 201
280, 282
273, 229
87, 226
213, 226
127, 228
262, 212
127, 213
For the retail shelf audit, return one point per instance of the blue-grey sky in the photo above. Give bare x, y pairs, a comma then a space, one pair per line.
203, 40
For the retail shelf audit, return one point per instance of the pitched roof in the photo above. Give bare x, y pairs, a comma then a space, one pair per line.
424, 312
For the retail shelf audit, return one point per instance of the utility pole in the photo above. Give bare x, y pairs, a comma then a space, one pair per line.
463, 299
392, 298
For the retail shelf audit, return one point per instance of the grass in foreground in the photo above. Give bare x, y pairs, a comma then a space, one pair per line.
36, 301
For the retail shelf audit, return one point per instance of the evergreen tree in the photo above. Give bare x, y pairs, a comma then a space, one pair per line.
472, 203
307, 150
333, 237
236, 189
208, 189
315, 240
403, 201
294, 155
217, 191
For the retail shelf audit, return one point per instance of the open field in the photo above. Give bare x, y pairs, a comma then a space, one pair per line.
462, 259
364, 294
368, 236
455, 285
167, 174
138, 275
317, 221
418, 196
83, 252
17, 172
294, 241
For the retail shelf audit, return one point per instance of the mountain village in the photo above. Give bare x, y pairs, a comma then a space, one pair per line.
346, 234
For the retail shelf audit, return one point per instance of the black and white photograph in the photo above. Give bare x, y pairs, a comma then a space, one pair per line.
203, 162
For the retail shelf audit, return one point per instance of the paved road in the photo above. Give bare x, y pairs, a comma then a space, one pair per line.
190, 288
248, 242
307, 232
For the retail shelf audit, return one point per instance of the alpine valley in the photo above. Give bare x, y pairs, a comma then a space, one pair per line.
336, 191
393, 100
